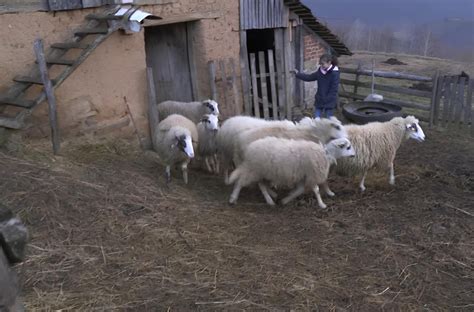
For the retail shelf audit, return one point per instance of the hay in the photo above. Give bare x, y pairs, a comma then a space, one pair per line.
108, 234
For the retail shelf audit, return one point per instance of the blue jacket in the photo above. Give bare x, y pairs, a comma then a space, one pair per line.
328, 86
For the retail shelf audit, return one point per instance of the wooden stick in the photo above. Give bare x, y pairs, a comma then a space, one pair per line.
153, 115
142, 145
48, 88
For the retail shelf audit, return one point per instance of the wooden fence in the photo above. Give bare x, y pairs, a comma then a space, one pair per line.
445, 101
452, 107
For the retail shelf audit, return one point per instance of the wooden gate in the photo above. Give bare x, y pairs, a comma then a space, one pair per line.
266, 85
453, 105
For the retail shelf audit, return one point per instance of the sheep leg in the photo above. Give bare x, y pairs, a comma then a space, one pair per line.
318, 197
208, 165
226, 176
361, 185
168, 174
293, 194
216, 162
272, 193
328, 190
391, 180
184, 168
264, 190
235, 193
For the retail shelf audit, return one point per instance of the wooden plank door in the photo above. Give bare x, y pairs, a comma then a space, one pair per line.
167, 54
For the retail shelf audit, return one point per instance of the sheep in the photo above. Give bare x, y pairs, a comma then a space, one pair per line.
229, 130
192, 110
376, 145
288, 163
317, 130
176, 139
207, 148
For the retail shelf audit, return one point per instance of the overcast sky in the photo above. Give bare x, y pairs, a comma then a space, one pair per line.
390, 12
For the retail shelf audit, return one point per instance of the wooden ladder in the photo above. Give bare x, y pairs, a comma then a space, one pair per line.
19, 101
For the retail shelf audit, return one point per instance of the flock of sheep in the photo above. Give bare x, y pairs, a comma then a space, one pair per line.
277, 154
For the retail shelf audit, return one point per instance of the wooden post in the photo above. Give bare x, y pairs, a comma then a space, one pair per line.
48, 89
224, 81
434, 92
153, 116
289, 64
281, 84
191, 60
452, 101
468, 106
447, 96
263, 83
212, 78
253, 72
458, 108
439, 95
244, 73
356, 84
237, 100
271, 69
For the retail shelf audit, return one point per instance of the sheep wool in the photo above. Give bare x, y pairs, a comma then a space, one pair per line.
192, 110
376, 145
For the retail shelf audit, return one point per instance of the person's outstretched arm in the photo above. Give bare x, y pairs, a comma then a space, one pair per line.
306, 77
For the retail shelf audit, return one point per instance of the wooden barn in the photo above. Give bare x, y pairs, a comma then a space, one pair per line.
97, 53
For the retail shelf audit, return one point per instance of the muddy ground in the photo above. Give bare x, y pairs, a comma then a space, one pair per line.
106, 233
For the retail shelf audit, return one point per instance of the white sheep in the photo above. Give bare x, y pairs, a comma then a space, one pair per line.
207, 131
231, 128
176, 139
191, 110
288, 163
376, 145
316, 130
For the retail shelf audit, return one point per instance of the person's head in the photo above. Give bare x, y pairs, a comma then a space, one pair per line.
326, 60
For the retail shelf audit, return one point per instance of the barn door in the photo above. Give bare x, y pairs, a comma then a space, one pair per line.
167, 54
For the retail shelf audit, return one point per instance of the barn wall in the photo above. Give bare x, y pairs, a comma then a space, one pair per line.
91, 100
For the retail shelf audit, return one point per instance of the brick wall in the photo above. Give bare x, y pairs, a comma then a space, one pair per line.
313, 48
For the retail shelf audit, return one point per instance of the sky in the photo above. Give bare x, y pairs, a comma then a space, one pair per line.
390, 12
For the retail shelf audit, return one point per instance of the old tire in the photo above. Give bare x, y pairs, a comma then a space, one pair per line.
364, 112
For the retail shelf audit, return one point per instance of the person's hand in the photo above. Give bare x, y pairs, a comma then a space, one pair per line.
294, 71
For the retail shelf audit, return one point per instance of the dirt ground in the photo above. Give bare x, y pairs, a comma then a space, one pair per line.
106, 233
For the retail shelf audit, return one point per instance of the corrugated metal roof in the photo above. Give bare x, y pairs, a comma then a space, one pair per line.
262, 14
322, 31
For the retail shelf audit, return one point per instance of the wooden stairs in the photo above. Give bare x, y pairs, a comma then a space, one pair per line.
24, 95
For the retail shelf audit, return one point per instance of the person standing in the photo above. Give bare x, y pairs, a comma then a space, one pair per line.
328, 85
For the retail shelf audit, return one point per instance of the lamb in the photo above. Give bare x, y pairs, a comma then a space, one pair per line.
288, 163
176, 139
192, 110
376, 145
233, 126
207, 132
317, 130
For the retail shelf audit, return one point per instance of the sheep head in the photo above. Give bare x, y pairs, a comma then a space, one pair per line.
212, 107
413, 129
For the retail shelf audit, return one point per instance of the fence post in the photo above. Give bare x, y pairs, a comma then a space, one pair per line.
434, 92
212, 77
356, 84
48, 89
